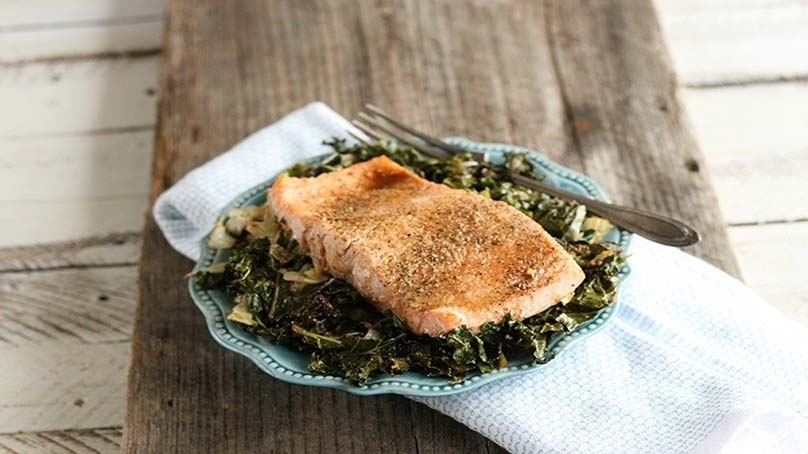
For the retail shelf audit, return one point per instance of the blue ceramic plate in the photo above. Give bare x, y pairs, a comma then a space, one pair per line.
289, 365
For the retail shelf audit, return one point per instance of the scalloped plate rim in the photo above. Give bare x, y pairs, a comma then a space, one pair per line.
410, 384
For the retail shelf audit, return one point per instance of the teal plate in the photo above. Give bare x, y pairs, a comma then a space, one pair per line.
289, 365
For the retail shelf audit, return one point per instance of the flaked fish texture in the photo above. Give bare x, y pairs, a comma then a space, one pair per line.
436, 257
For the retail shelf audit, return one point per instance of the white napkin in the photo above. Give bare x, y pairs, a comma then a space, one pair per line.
692, 362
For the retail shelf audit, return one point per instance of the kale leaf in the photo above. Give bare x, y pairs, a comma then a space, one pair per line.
346, 336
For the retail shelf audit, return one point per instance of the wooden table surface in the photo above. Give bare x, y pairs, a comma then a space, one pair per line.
568, 77
79, 88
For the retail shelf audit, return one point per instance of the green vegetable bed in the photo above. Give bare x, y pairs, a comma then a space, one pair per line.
280, 294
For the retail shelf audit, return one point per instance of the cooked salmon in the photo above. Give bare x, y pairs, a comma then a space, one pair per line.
437, 257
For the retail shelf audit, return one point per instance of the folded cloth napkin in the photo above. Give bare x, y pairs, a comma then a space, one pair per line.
692, 362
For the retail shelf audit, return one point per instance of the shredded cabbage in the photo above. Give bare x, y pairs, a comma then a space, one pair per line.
241, 313
219, 238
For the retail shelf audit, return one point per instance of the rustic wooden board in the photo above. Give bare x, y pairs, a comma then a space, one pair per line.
27, 14
716, 42
772, 259
64, 347
91, 441
36, 30
626, 124
65, 98
748, 134
84, 306
83, 41
94, 184
68, 386
755, 142
107, 250
579, 85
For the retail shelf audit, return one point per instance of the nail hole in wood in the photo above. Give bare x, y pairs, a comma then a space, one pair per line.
584, 126
195, 134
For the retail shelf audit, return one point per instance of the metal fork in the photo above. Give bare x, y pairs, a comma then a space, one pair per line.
377, 124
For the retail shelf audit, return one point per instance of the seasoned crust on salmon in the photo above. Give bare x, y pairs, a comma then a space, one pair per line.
437, 257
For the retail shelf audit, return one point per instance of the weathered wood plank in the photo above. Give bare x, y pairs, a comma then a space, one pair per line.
759, 249
84, 306
749, 119
755, 143
82, 41
94, 184
64, 347
95, 441
772, 259
762, 187
626, 121
107, 164
77, 97
109, 250
343, 87
437, 64
51, 29
27, 14
748, 134
715, 42
64, 386
79, 218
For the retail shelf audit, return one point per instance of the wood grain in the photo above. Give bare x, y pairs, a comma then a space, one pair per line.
36, 30
64, 347
733, 121
108, 250
43, 14
64, 386
622, 107
755, 142
489, 70
749, 134
94, 184
82, 41
90, 441
718, 42
77, 306
772, 260
68, 98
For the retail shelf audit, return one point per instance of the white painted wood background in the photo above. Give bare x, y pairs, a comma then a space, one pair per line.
78, 79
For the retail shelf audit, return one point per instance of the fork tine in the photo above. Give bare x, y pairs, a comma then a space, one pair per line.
366, 122
360, 139
367, 130
425, 137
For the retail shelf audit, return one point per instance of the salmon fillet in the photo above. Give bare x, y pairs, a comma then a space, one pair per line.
437, 257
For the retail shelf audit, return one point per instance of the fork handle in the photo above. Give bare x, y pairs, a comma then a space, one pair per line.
661, 229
